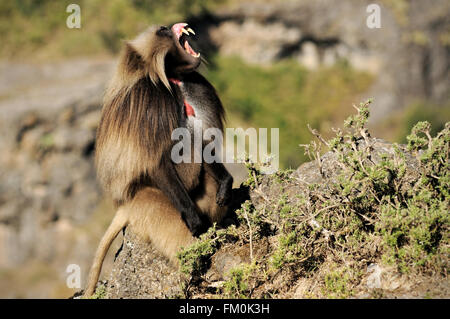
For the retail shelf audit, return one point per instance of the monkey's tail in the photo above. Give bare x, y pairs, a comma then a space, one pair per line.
118, 223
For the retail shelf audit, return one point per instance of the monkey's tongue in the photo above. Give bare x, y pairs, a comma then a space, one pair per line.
189, 50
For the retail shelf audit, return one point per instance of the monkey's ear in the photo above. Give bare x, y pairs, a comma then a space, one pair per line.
132, 58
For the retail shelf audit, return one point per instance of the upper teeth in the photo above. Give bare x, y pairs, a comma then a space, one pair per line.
186, 31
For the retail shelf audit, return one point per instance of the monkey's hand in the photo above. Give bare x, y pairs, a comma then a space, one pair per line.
223, 196
194, 223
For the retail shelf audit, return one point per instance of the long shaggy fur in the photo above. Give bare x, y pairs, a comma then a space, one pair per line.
134, 131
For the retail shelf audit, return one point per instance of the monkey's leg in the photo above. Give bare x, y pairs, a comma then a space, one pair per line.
168, 181
152, 217
118, 223
155, 219
223, 179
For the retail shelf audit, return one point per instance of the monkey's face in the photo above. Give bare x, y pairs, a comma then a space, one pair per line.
181, 58
162, 52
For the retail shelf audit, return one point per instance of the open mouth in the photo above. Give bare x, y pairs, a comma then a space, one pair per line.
182, 32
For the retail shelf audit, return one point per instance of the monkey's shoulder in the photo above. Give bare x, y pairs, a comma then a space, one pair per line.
198, 89
195, 82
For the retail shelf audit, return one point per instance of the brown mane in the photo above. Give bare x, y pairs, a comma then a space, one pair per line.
135, 128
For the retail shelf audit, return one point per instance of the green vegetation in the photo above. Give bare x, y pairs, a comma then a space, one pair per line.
287, 96
238, 286
437, 115
336, 284
386, 205
399, 124
192, 259
100, 293
37, 28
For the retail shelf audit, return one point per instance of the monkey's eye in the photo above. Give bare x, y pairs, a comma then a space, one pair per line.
163, 31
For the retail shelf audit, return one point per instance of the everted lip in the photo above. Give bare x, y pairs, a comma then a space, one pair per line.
182, 31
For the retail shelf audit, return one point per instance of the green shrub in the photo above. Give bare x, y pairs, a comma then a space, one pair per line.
386, 207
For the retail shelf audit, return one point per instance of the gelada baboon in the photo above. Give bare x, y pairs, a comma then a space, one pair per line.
155, 90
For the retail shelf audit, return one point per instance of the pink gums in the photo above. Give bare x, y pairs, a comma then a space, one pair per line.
176, 28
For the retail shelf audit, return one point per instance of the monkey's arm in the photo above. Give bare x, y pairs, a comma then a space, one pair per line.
224, 179
205, 97
167, 180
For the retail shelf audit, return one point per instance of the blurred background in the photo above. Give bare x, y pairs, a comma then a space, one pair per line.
274, 63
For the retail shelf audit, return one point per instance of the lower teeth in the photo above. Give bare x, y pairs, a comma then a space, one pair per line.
186, 47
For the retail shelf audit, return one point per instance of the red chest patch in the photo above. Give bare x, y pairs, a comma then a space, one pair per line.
175, 81
189, 109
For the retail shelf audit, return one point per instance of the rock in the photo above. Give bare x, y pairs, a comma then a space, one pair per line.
408, 56
309, 56
142, 272
374, 280
309, 172
263, 42
302, 288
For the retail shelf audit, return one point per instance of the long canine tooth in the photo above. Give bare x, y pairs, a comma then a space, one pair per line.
191, 31
198, 55
184, 31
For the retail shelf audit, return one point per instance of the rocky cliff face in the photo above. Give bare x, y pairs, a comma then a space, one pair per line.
49, 114
409, 54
